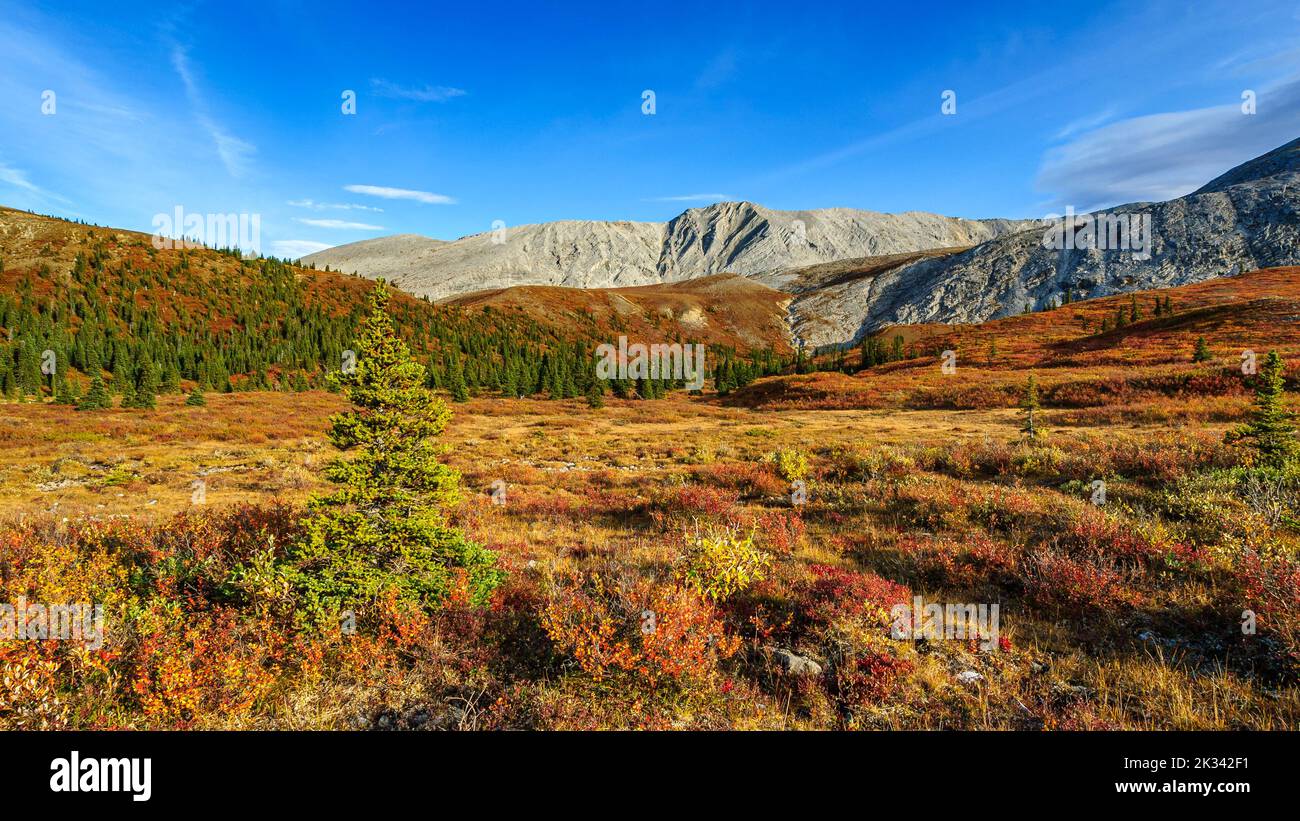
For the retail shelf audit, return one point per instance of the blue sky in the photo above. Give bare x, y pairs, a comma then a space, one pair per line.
530, 112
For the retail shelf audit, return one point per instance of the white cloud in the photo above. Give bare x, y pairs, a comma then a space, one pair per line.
351, 226
1167, 155
296, 248
234, 152
1084, 124
692, 198
400, 194
16, 178
332, 206
427, 94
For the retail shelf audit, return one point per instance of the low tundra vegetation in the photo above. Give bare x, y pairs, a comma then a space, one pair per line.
695, 597
623, 569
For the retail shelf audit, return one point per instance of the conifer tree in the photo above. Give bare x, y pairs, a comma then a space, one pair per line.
456, 382
145, 396
196, 397
121, 379
596, 394
1271, 430
1029, 404
96, 397
385, 528
1202, 352
65, 393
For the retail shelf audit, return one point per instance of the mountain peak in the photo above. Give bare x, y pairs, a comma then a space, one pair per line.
1284, 159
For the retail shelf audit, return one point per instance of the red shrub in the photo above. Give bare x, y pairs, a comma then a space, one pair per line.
870, 678
835, 593
1076, 585
1272, 588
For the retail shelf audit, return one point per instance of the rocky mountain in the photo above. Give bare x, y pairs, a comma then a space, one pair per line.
852, 272
1248, 218
729, 237
408, 252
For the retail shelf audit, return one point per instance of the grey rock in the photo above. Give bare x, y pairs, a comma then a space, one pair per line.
794, 665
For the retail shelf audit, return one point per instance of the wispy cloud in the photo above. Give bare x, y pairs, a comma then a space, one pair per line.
332, 206
717, 71
234, 152
973, 110
1084, 124
424, 94
400, 194
341, 224
295, 248
18, 179
691, 198
1166, 155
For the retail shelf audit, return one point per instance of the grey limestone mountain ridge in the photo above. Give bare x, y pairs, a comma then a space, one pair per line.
852, 272
1248, 218
729, 237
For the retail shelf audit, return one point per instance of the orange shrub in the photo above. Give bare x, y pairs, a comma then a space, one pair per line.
637, 631
200, 666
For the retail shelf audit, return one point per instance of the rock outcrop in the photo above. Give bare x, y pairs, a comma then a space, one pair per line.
1246, 219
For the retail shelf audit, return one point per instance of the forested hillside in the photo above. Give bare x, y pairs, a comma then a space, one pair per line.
109, 304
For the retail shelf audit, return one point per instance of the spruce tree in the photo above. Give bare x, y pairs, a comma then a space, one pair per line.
1271, 430
65, 393
385, 529
456, 383
196, 397
96, 397
146, 389
1029, 404
1202, 352
596, 394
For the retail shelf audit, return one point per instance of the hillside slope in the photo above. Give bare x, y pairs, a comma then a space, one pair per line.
107, 303
724, 309
1080, 354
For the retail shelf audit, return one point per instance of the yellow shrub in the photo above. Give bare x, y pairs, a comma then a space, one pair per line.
792, 465
721, 563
